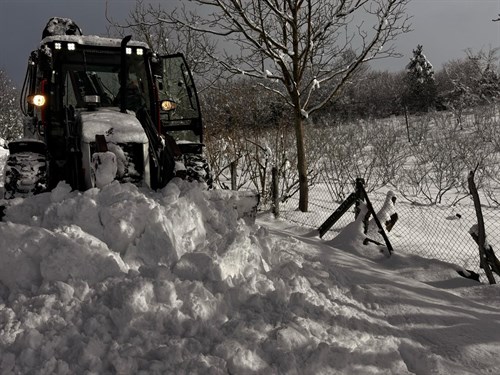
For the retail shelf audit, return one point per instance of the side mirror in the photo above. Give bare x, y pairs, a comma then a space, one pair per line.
157, 68
156, 65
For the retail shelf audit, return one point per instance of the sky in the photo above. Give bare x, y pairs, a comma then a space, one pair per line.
444, 27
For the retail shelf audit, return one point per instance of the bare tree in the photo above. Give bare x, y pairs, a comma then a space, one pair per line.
146, 22
302, 45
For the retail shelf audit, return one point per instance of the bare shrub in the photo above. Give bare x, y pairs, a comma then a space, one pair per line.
370, 150
488, 128
440, 162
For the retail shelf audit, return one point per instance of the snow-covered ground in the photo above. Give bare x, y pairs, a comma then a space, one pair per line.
122, 280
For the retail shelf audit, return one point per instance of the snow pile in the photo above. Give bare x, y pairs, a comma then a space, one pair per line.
104, 168
61, 26
117, 264
129, 281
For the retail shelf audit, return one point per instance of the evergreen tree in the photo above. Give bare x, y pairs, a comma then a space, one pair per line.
421, 93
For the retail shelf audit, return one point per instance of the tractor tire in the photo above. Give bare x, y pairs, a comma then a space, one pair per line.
197, 169
25, 174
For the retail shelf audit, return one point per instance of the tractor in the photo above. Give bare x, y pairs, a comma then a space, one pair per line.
101, 109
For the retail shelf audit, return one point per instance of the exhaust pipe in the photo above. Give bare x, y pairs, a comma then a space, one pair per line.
124, 73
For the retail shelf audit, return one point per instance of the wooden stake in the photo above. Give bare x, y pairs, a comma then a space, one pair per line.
480, 228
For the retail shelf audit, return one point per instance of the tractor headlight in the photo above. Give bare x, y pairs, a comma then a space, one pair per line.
37, 100
168, 105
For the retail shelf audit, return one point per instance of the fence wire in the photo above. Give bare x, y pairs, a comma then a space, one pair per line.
425, 160
431, 231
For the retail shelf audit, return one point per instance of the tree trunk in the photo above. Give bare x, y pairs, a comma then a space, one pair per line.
301, 161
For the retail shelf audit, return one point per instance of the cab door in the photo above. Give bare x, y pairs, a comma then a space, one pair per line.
179, 107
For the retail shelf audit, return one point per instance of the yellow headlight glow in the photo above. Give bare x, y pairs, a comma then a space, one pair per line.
168, 105
37, 100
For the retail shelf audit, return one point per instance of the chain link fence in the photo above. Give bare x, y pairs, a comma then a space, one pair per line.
425, 161
431, 231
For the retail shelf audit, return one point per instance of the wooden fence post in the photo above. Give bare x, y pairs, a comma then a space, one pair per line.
407, 124
233, 175
480, 229
275, 192
359, 195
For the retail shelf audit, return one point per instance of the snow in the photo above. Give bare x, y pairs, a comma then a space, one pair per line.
121, 279
91, 40
126, 280
61, 26
104, 122
104, 168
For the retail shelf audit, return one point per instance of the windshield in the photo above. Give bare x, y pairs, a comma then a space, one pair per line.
90, 73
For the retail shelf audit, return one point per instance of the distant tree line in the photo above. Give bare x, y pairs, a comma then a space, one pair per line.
459, 85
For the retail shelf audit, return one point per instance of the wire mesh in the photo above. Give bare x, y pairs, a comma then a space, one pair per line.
435, 156
431, 231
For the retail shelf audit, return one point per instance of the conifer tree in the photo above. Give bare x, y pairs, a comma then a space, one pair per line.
421, 93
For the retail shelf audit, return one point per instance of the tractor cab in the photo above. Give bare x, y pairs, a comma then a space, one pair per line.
84, 96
